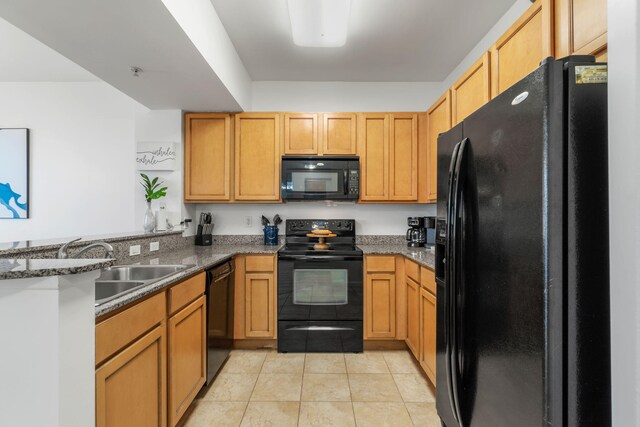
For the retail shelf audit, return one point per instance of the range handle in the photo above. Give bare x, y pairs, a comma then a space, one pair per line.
319, 258
319, 328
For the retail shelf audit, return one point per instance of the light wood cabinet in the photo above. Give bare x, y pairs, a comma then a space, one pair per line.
373, 140
581, 28
438, 121
380, 305
471, 91
339, 134
208, 155
428, 333
519, 50
403, 157
131, 387
187, 357
255, 297
413, 317
257, 157
301, 133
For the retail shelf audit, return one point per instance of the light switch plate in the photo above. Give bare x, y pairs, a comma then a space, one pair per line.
154, 246
134, 250
248, 221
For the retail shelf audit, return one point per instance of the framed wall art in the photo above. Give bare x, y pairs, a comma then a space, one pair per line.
14, 173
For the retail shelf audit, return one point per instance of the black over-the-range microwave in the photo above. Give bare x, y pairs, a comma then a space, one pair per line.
320, 178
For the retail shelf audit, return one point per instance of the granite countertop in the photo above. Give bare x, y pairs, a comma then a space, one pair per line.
25, 268
422, 256
199, 258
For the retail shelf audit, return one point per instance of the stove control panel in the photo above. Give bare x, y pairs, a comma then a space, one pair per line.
308, 225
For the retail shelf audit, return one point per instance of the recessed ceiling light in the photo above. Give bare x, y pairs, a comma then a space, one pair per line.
319, 23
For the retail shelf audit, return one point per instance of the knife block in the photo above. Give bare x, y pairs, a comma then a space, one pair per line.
203, 239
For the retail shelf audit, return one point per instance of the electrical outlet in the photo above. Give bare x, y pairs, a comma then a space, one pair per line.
154, 246
248, 221
134, 250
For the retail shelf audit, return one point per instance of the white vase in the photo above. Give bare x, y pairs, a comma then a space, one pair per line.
149, 223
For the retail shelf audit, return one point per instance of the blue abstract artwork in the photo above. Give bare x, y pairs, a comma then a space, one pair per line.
14, 173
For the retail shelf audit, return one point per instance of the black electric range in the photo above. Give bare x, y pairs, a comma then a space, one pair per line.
320, 292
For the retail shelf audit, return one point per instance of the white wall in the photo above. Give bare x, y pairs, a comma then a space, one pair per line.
370, 219
162, 126
343, 96
624, 203
81, 158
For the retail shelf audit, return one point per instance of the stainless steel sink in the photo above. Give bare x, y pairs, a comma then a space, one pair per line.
119, 280
139, 272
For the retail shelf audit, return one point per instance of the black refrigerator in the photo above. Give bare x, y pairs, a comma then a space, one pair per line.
522, 255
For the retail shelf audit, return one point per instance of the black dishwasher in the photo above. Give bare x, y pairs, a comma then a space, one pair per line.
219, 294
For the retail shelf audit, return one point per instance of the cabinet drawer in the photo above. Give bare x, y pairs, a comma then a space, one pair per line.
412, 270
254, 263
381, 263
428, 279
118, 331
185, 292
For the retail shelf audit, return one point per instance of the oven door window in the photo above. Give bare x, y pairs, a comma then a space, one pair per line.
320, 287
315, 181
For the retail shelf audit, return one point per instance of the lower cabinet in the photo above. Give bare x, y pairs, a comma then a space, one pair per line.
151, 358
130, 387
427, 355
413, 317
187, 357
380, 305
255, 313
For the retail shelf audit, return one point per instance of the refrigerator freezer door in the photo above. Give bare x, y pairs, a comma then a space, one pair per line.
505, 305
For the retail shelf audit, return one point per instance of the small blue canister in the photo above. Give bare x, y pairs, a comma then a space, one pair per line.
270, 235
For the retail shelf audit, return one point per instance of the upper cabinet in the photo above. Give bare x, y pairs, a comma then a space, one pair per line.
301, 133
438, 121
520, 50
581, 28
373, 141
339, 134
471, 91
257, 157
403, 157
208, 155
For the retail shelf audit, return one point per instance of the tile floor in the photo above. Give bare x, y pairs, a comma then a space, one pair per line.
265, 388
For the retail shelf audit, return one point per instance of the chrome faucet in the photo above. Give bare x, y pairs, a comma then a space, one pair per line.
62, 252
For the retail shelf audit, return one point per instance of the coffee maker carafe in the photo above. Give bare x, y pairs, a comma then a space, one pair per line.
416, 234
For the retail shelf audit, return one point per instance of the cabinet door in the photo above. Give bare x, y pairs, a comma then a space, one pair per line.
373, 137
187, 357
259, 312
438, 121
339, 134
380, 305
520, 49
413, 317
257, 174
403, 157
581, 28
300, 133
207, 157
428, 333
471, 91
130, 388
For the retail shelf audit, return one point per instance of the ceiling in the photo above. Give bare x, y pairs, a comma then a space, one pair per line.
388, 40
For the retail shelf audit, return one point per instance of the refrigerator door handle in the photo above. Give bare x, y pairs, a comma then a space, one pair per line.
449, 266
457, 183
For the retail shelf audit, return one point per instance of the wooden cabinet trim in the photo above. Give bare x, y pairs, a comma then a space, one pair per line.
156, 335
380, 263
115, 333
186, 291
259, 263
481, 65
178, 405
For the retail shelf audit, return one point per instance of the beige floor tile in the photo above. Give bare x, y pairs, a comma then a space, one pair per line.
423, 414
401, 362
326, 414
271, 414
245, 361
325, 388
414, 388
230, 387
366, 363
325, 363
283, 363
277, 388
215, 414
381, 414
373, 388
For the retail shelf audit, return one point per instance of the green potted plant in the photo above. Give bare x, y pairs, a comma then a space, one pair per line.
152, 191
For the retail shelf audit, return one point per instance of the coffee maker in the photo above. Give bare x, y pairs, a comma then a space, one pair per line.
421, 231
416, 234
